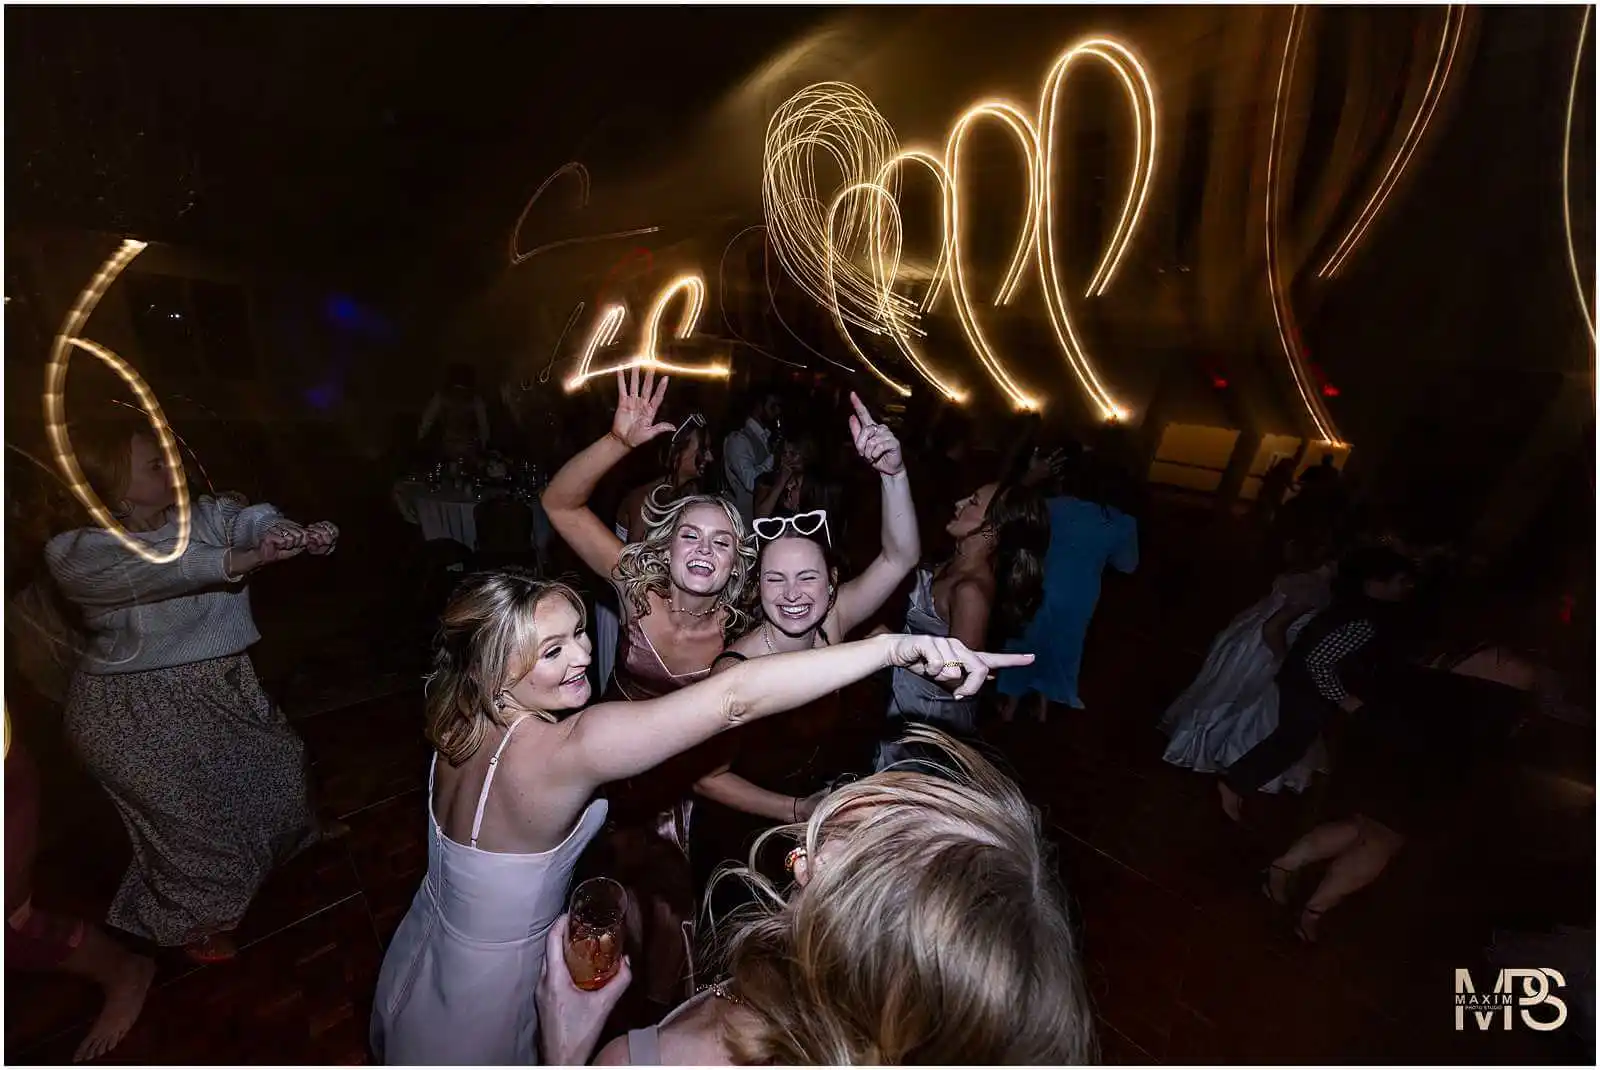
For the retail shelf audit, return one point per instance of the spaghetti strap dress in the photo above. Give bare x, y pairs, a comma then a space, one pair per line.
457, 984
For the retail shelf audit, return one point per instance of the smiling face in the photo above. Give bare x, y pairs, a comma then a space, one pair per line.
149, 486
971, 511
795, 585
554, 674
702, 550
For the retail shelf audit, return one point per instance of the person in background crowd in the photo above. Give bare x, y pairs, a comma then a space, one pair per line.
925, 926
1340, 644
768, 774
459, 412
38, 941
681, 590
1233, 703
787, 490
165, 709
684, 461
1274, 485
1088, 531
747, 451
988, 590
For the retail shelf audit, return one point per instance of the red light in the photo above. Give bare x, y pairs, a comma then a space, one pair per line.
1329, 390
1219, 382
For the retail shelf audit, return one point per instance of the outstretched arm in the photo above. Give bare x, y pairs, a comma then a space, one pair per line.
566, 499
864, 595
617, 740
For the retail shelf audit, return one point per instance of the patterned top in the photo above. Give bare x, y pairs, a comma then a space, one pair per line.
143, 616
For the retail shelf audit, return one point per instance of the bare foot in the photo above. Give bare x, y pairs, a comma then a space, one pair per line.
124, 1000
1277, 884
218, 947
1232, 804
1306, 927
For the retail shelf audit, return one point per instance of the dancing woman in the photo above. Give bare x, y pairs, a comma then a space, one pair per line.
165, 709
769, 773
990, 588
680, 590
457, 983
1233, 702
686, 456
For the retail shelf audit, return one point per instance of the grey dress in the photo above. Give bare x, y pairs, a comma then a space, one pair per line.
916, 699
457, 984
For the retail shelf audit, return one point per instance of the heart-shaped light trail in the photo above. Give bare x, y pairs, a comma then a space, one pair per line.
693, 289
580, 174
55, 407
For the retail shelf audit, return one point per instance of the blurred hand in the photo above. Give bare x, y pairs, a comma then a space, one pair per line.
1044, 466
874, 441
947, 661
637, 404
808, 806
321, 538
570, 1019
285, 539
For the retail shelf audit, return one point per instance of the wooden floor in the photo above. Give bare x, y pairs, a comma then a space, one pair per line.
1187, 962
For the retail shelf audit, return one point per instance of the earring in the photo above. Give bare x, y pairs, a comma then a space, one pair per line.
500, 701
793, 858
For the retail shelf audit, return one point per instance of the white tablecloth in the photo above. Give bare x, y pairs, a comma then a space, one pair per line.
448, 514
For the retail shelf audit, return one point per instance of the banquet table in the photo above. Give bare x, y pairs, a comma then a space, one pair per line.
447, 513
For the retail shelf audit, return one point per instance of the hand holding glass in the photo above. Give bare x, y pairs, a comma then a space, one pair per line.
594, 932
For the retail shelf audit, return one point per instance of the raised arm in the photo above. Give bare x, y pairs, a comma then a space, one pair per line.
566, 499
862, 596
617, 740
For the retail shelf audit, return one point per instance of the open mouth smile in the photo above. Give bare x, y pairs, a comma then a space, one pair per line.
702, 568
578, 676
795, 612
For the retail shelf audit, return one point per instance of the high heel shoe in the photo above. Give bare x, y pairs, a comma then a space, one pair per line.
1266, 884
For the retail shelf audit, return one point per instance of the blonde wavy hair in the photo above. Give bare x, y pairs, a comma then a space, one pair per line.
642, 568
486, 640
933, 932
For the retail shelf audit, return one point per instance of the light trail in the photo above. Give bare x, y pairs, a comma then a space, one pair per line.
581, 174
1566, 180
1282, 309
55, 403
693, 289
1142, 105
1455, 17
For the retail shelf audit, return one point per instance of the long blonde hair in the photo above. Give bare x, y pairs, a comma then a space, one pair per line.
485, 639
934, 932
642, 567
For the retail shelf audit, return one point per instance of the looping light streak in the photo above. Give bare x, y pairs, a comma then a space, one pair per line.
722, 295
555, 352
55, 403
693, 289
823, 251
581, 174
1277, 286
1455, 17
1142, 105
1566, 179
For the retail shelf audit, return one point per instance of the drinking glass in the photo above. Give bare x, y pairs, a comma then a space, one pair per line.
594, 932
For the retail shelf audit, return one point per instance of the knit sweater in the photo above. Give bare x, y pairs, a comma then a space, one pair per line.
142, 616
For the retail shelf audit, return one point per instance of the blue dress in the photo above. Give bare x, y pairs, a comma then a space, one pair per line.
1084, 538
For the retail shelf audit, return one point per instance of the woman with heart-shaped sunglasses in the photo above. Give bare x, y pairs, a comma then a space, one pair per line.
773, 774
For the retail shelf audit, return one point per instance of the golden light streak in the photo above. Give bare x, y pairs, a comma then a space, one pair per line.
55, 403
693, 289
581, 174
1282, 311
1566, 179
1142, 104
1455, 17
829, 122
1022, 129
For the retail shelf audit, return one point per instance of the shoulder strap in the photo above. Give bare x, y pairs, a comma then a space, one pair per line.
488, 778
644, 1046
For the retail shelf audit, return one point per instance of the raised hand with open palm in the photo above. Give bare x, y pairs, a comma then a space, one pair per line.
637, 404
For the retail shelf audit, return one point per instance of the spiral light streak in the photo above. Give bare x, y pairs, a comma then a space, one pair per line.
935, 167
1022, 129
832, 121
1566, 179
1282, 310
1455, 17
1142, 105
581, 174
693, 289
55, 408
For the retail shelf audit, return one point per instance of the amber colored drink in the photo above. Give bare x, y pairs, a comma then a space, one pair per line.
594, 932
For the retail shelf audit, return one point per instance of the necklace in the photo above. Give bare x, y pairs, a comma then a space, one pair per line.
766, 637
720, 992
693, 612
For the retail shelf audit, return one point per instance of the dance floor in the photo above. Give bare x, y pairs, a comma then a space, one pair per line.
1186, 961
